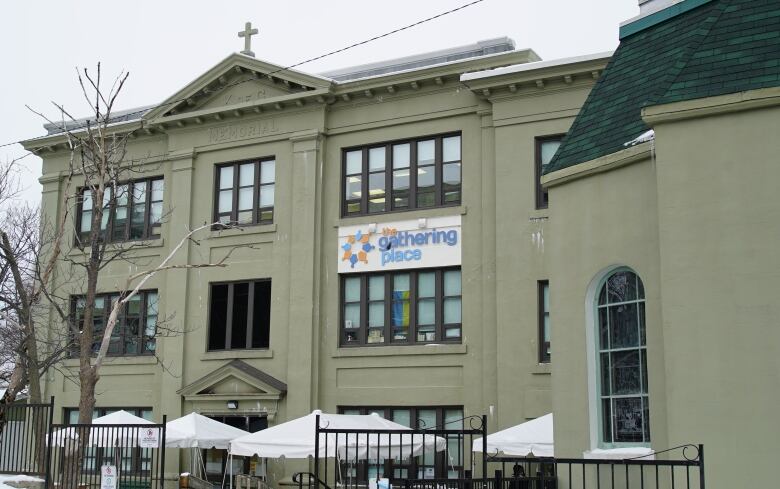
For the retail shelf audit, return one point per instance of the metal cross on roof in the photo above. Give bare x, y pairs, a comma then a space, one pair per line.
247, 34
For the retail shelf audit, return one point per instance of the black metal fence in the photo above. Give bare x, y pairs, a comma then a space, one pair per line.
84, 454
440, 458
680, 467
352, 458
23, 432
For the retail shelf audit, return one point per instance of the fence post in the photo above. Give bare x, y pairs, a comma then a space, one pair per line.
49, 445
701, 466
162, 451
317, 449
498, 483
484, 446
468, 475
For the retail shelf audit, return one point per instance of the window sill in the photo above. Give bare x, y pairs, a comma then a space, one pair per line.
125, 360
236, 354
246, 230
405, 214
619, 453
136, 244
386, 351
541, 369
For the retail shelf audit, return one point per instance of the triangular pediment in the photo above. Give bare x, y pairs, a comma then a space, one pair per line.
238, 80
236, 379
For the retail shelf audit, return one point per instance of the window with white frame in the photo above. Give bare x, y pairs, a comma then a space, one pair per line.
622, 360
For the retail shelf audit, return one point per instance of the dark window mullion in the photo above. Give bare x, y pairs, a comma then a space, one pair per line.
250, 306
234, 209
142, 323
256, 197
388, 307
148, 210
363, 332
229, 318
388, 177
364, 183
412, 175
438, 156
439, 301
389, 199
413, 306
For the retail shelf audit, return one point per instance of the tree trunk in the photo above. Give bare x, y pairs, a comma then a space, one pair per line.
15, 386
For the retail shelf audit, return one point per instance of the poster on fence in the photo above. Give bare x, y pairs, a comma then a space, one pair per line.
149, 438
108, 477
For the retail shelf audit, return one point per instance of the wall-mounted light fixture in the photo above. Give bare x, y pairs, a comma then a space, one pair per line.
232, 404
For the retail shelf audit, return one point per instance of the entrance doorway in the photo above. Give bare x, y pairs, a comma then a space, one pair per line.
216, 460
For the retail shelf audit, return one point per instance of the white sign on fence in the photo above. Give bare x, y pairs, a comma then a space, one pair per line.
108, 477
149, 438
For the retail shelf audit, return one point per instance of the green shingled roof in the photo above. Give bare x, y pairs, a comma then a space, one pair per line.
719, 47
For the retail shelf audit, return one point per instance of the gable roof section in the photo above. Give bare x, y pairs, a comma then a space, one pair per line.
223, 75
719, 47
240, 370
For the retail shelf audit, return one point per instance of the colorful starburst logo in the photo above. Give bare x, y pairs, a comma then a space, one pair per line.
357, 248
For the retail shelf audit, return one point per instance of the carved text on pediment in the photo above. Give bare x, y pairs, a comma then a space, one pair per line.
248, 96
248, 130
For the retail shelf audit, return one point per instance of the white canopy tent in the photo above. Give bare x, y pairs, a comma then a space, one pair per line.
296, 439
116, 436
197, 431
532, 438
200, 432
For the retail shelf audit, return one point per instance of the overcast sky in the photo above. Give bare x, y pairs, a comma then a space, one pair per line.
165, 44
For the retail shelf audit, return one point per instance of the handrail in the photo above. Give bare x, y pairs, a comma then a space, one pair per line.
298, 479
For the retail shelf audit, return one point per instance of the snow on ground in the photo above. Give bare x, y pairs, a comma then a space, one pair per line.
16, 478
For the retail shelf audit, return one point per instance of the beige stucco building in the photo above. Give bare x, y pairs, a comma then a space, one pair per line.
448, 328
399, 254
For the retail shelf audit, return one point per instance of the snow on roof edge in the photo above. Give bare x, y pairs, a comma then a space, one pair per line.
535, 65
438, 65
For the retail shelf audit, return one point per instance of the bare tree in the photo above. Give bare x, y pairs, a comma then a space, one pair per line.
100, 164
23, 276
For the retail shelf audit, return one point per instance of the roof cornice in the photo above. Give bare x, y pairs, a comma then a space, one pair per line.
541, 76
707, 106
53, 142
612, 161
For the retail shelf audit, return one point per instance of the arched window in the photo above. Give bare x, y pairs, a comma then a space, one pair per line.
622, 360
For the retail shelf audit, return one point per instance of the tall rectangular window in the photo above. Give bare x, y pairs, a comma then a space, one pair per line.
240, 315
244, 192
411, 174
137, 211
136, 326
408, 307
429, 464
545, 150
544, 321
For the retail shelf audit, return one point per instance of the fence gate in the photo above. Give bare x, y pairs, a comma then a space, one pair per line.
84, 454
23, 431
424, 457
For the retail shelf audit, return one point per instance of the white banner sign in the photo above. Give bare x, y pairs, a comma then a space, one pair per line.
149, 438
419, 243
108, 477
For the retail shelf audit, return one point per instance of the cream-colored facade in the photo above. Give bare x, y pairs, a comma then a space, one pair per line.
244, 109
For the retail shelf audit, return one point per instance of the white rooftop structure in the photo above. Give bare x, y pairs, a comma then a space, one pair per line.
480, 48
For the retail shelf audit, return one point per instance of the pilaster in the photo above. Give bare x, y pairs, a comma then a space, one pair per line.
489, 293
173, 303
304, 241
